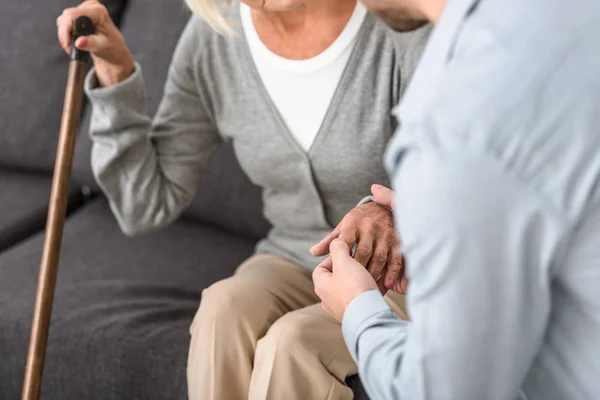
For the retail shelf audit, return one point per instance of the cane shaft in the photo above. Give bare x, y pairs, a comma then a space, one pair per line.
54, 228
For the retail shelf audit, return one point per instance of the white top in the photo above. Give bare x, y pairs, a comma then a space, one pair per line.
302, 89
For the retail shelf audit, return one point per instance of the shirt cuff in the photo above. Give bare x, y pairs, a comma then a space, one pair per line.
130, 92
358, 313
368, 199
371, 199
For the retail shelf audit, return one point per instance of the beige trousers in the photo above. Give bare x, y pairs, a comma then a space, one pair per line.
262, 334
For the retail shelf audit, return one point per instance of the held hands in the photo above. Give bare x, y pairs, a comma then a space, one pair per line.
112, 60
339, 282
371, 228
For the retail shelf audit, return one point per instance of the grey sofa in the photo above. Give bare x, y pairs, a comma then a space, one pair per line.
123, 306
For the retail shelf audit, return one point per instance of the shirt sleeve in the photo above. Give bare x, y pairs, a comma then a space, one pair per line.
149, 168
478, 246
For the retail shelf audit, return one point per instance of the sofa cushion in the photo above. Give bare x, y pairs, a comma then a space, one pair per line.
33, 74
357, 387
226, 197
24, 204
122, 310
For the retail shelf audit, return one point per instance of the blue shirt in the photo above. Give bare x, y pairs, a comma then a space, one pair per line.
496, 170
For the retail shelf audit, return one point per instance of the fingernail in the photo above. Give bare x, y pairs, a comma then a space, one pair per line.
82, 43
389, 283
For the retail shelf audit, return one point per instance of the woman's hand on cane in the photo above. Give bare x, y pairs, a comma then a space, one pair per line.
112, 59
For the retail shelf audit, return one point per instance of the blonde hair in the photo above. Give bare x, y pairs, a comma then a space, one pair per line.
210, 11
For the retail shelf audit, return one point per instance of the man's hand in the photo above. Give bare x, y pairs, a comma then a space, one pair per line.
338, 283
383, 195
371, 228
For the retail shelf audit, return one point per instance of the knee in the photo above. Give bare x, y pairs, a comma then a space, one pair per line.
226, 301
290, 332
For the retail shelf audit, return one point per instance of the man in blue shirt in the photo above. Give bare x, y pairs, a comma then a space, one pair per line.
496, 172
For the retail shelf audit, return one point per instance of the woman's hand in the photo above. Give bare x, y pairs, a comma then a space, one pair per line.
371, 228
112, 60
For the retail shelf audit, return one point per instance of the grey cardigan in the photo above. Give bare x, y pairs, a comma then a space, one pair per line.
149, 168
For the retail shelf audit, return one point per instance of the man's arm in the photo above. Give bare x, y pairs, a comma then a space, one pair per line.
478, 247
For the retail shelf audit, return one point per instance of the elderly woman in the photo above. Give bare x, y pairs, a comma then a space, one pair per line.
303, 89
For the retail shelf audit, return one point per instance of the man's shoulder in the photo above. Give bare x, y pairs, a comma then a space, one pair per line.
526, 100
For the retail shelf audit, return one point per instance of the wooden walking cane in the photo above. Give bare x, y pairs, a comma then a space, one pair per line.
56, 213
